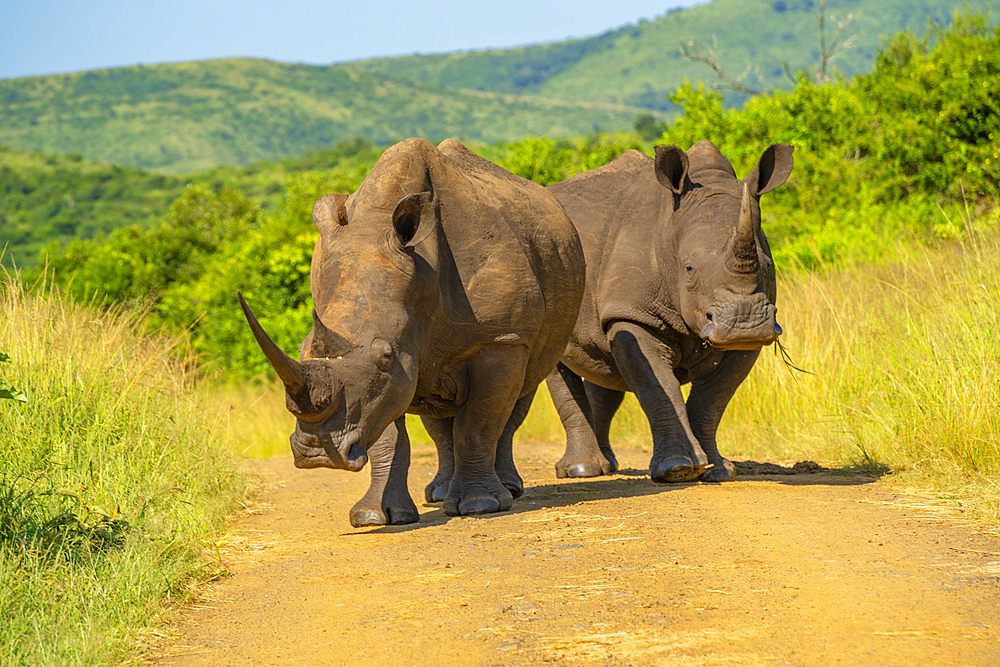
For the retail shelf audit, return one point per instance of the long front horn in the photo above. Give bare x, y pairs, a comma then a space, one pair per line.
743, 250
291, 372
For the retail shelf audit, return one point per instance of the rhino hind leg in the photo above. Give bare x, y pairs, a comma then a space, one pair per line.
505, 468
496, 376
583, 456
441, 431
604, 403
387, 500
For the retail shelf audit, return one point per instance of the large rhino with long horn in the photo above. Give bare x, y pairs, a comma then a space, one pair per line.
680, 288
445, 287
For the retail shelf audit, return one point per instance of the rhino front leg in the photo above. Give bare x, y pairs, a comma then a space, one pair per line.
442, 432
604, 403
583, 456
495, 377
646, 364
506, 470
706, 404
387, 500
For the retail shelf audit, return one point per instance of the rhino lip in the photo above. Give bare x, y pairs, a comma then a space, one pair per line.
343, 450
737, 339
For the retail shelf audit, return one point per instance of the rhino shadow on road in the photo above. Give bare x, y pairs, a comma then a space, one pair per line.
622, 484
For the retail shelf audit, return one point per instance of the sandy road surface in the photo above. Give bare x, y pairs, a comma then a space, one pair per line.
794, 570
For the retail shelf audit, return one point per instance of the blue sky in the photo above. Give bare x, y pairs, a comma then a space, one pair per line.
55, 36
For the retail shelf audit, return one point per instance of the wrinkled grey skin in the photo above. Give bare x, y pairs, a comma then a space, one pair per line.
680, 288
444, 287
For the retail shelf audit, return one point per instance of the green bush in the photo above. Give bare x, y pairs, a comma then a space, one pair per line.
893, 154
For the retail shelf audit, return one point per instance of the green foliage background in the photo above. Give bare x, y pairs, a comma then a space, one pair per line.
190, 117
895, 154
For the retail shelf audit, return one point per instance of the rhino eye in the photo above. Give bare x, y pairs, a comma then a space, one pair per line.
383, 355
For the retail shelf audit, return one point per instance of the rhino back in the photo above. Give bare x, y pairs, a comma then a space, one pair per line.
621, 212
519, 257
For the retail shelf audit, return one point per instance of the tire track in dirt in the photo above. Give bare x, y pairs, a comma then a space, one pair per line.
804, 570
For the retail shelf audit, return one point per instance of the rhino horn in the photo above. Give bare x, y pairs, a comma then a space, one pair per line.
291, 372
743, 249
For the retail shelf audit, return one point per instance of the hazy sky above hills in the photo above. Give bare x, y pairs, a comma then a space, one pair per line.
55, 36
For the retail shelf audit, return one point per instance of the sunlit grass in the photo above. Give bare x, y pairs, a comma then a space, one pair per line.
111, 483
903, 369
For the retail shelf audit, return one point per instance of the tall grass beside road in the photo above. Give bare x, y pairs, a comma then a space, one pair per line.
903, 371
111, 482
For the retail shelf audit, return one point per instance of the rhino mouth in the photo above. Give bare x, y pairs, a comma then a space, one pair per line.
727, 338
741, 325
342, 450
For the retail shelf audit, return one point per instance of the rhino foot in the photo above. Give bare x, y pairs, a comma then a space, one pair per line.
477, 502
373, 516
609, 456
512, 483
595, 467
437, 490
589, 469
675, 469
724, 472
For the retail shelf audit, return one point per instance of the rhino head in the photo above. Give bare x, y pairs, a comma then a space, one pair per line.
724, 269
358, 368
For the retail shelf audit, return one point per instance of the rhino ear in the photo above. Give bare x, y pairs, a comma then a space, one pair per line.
330, 210
412, 219
772, 170
671, 165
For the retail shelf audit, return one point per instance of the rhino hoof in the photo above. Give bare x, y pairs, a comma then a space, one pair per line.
676, 469
516, 488
435, 493
584, 470
476, 505
402, 516
720, 473
367, 517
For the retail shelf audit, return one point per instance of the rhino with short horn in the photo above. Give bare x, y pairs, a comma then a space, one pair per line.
444, 287
680, 288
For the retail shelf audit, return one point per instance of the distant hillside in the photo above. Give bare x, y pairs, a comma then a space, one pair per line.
189, 117
193, 116
641, 65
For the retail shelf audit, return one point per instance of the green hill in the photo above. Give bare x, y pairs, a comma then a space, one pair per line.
188, 117
193, 116
640, 65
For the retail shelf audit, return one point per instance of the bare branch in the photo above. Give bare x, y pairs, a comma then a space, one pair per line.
692, 53
837, 47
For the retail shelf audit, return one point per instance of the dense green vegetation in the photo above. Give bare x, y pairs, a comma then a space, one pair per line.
51, 200
893, 155
112, 479
182, 118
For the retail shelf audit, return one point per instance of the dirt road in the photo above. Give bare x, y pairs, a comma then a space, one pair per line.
804, 570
